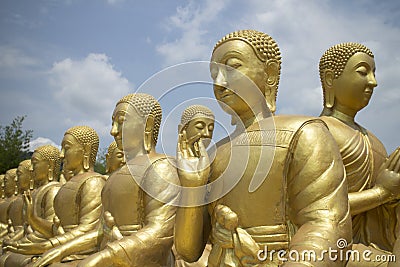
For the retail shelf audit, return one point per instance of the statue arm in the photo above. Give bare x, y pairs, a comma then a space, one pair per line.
317, 194
45, 225
89, 211
81, 243
368, 199
156, 237
191, 232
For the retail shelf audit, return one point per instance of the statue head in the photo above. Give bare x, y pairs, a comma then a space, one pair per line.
114, 158
347, 73
198, 123
257, 57
79, 150
24, 175
45, 164
139, 115
10, 183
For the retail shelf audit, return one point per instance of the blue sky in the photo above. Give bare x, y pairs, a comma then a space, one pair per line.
67, 62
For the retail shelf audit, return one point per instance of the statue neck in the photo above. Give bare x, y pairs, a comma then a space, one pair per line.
255, 114
350, 113
345, 118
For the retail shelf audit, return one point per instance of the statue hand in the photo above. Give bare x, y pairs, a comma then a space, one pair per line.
193, 171
30, 248
389, 174
225, 227
28, 205
52, 255
101, 258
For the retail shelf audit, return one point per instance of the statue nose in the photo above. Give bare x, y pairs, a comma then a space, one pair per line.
220, 80
372, 80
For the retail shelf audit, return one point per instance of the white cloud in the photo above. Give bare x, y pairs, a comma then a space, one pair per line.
12, 58
303, 30
192, 20
114, 2
41, 141
87, 90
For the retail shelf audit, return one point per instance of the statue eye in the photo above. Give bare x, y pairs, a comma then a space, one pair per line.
211, 127
233, 63
121, 119
362, 70
199, 126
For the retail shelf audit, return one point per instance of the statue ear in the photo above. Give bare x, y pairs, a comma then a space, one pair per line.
271, 84
148, 133
86, 156
50, 175
329, 76
107, 167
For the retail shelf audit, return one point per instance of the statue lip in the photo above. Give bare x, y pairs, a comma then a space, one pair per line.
227, 92
368, 92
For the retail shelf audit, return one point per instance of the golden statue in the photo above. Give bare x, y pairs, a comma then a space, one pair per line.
197, 122
114, 158
45, 168
2, 186
10, 194
2, 226
136, 229
301, 203
347, 74
15, 213
77, 204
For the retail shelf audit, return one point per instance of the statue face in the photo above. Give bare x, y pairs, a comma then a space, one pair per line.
354, 87
23, 177
40, 167
200, 126
239, 89
115, 160
9, 184
72, 153
126, 119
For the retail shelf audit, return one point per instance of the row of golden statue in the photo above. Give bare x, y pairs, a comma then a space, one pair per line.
328, 179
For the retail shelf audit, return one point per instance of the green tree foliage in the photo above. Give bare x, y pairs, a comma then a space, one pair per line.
14, 144
100, 165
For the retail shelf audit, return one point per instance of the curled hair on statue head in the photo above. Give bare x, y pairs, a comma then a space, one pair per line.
86, 136
146, 106
52, 155
335, 59
195, 111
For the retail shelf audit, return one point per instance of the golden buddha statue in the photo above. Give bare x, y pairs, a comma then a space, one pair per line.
15, 213
2, 186
38, 205
197, 122
77, 204
347, 73
114, 158
2, 198
300, 204
10, 193
136, 229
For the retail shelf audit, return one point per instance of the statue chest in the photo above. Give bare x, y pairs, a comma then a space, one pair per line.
121, 196
254, 177
15, 212
67, 201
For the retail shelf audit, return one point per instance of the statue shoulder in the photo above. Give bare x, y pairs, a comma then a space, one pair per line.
165, 166
339, 130
376, 144
294, 122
